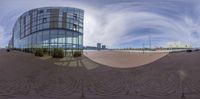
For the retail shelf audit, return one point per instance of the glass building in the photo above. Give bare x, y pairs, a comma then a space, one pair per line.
49, 27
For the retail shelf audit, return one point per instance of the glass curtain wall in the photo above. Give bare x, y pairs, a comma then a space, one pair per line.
50, 27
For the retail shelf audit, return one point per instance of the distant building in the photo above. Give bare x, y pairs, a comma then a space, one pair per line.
90, 48
98, 46
103, 46
178, 45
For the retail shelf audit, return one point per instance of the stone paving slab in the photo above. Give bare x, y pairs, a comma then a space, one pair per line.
24, 76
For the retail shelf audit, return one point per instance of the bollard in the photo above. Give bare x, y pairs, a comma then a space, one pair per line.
82, 93
127, 92
183, 95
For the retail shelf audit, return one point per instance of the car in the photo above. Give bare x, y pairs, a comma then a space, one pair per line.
8, 50
196, 49
188, 50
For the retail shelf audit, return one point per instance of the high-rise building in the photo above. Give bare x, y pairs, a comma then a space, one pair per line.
98, 46
103, 46
49, 27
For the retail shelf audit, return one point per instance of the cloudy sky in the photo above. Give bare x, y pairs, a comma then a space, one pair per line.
120, 23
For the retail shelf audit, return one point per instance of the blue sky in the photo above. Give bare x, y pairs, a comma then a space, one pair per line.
120, 23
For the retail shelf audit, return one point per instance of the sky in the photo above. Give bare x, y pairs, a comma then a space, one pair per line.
119, 23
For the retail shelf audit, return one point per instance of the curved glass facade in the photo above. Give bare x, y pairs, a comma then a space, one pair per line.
50, 27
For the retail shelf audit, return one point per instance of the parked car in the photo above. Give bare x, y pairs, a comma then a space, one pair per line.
188, 50
8, 50
196, 49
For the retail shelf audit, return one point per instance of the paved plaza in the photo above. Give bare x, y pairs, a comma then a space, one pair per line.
24, 76
124, 59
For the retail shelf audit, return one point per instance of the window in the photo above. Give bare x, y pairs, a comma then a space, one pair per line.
68, 45
45, 25
34, 23
75, 16
53, 39
34, 39
76, 22
69, 37
41, 11
59, 24
27, 32
34, 13
80, 29
44, 20
40, 27
60, 19
46, 37
39, 37
53, 36
29, 42
70, 26
61, 36
80, 24
75, 38
74, 27
48, 10
33, 28
70, 15
71, 10
80, 39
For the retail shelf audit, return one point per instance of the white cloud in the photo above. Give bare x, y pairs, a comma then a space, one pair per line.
112, 27
115, 23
